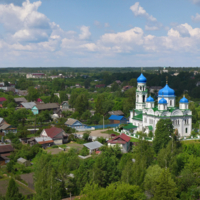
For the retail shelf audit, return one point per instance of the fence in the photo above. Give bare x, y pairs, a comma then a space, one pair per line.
105, 126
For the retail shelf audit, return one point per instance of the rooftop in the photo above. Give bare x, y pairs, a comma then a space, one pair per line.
93, 145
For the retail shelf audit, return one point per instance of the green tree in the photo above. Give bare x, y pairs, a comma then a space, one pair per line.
13, 191
81, 104
63, 96
151, 178
166, 189
164, 129
32, 94
121, 191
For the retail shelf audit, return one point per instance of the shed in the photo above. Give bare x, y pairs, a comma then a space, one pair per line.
93, 146
28, 105
23, 162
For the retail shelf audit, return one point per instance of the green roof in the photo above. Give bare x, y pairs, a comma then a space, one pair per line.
155, 109
150, 128
129, 126
138, 117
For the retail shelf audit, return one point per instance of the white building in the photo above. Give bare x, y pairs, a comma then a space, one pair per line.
146, 115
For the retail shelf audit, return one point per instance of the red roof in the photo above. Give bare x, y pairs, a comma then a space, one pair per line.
99, 86
53, 131
116, 140
39, 100
3, 99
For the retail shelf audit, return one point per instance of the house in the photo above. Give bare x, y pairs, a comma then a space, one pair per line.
114, 119
198, 83
24, 162
74, 123
6, 128
2, 99
92, 112
109, 86
154, 89
39, 100
78, 85
5, 151
48, 106
20, 100
93, 146
126, 88
58, 135
57, 94
100, 86
64, 105
116, 112
35, 75
21, 92
118, 82
28, 105
122, 140
44, 141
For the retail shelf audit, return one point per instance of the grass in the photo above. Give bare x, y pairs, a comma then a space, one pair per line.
110, 132
134, 140
30, 135
190, 141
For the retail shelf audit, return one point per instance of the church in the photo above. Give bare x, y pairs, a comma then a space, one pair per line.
146, 115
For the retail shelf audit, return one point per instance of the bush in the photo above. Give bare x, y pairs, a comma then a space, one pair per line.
54, 146
150, 134
84, 151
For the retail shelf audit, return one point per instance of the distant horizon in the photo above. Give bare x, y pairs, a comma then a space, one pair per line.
99, 33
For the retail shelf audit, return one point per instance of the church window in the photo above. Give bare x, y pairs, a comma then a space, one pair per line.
140, 87
143, 98
145, 120
186, 130
150, 121
170, 102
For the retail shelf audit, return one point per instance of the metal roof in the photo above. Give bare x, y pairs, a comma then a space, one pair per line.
93, 145
28, 105
21, 160
41, 139
116, 117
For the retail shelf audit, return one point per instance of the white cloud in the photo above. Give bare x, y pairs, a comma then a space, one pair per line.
151, 28
139, 11
196, 18
195, 1
85, 33
97, 23
107, 25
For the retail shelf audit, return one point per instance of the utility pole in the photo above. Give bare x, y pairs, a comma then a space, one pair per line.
103, 122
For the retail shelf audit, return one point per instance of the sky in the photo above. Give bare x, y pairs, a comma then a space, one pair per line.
104, 33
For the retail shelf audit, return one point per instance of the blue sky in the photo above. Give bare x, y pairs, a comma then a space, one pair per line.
105, 33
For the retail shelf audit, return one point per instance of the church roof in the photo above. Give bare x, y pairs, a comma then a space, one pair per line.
184, 100
166, 91
150, 99
141, 79
162, 101
138, 117
129, 126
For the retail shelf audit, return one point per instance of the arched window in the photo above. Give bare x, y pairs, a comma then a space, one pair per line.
170, 102
186, 130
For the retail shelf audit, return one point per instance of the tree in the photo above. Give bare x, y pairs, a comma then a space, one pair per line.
63, 96
151, 178
164, 129
13, 191
166, 189
86, 136
81, 104
121, 191
32, 94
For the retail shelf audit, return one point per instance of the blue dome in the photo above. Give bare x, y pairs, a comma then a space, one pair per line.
183, 100
141, 79
150, 99
162, 101
166, 91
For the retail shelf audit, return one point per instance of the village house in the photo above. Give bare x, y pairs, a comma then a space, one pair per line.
5, 151
116, 112
2, 99
35, 75
24, 162
100, 86
48, 106
126, 88
114, 119
6, 128
21, 92
93, 146
74, 123
28, 105
39, 100
58, 135
64, 105
20, 100
123, 141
